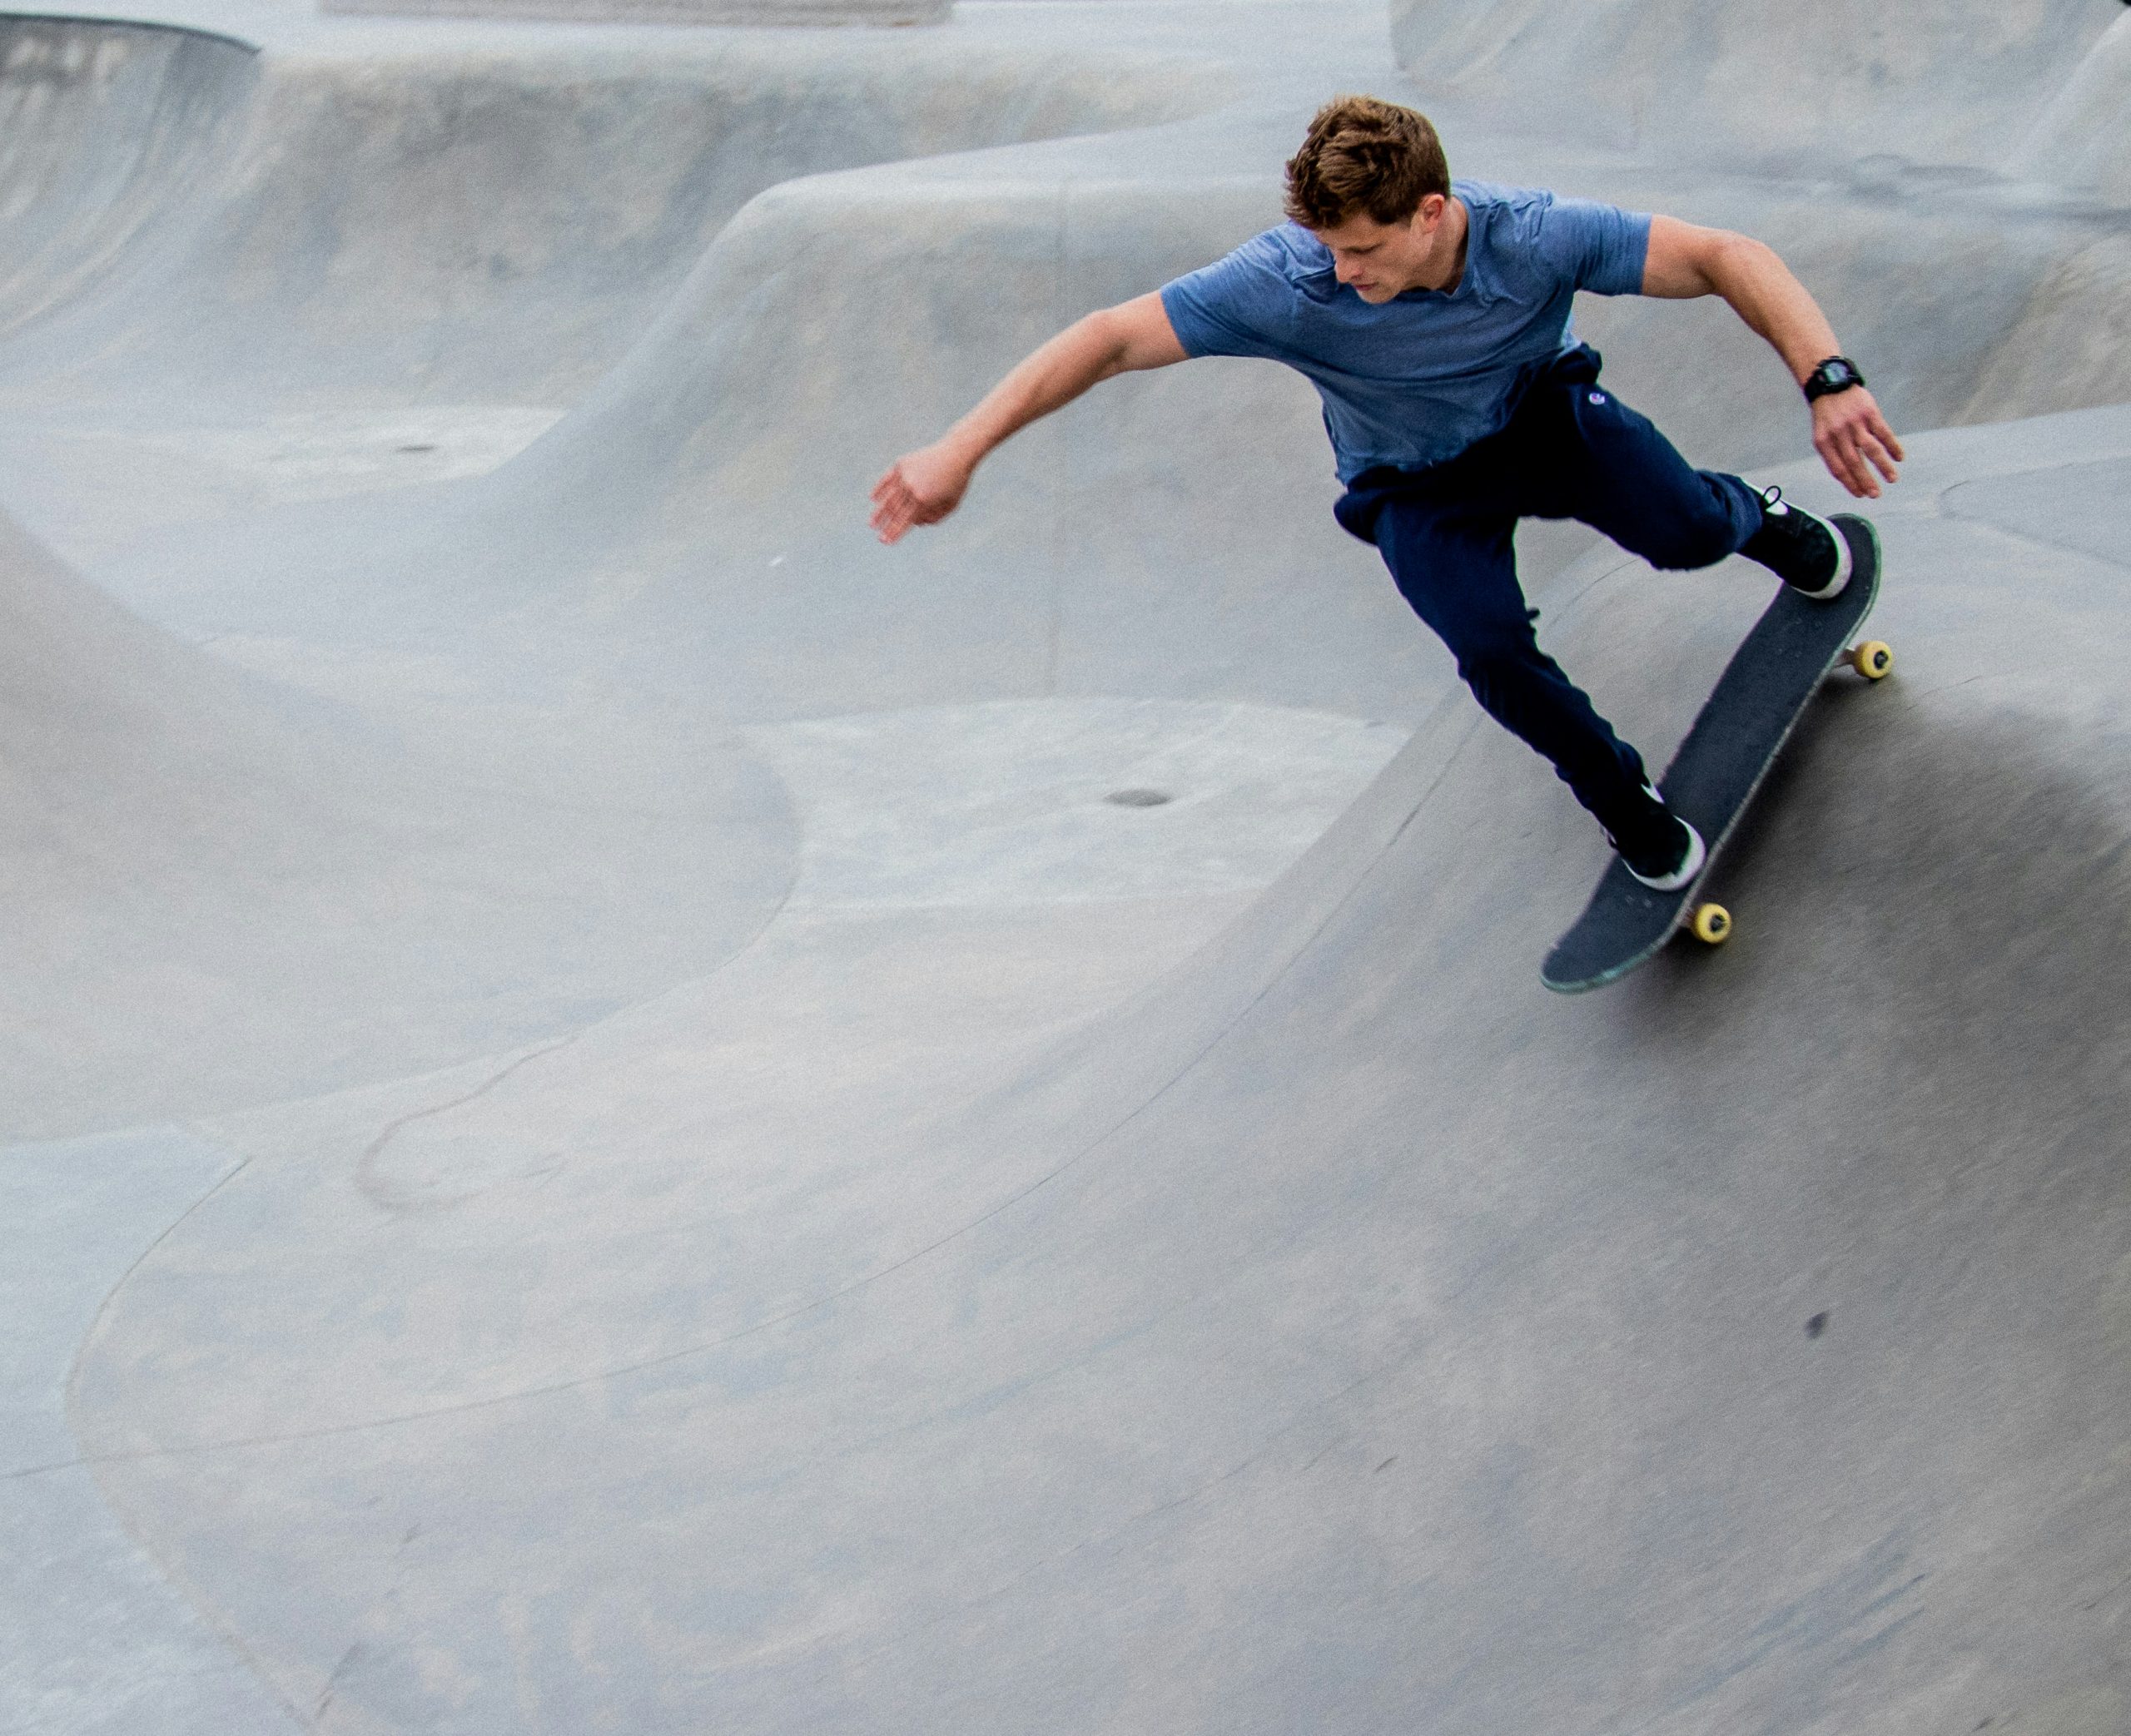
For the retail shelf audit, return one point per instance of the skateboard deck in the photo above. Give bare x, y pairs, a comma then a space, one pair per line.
1736, 736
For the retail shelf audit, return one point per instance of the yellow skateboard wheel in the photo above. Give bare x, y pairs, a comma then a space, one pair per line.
1711, 924
1874, 660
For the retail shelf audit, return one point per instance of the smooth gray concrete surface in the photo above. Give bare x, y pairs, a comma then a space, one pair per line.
622, 1111
95, 1641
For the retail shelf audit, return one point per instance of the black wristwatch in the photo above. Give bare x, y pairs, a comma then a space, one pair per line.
1837, 373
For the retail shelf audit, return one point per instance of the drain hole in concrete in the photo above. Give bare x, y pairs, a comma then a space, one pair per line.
1139, 798
418, 447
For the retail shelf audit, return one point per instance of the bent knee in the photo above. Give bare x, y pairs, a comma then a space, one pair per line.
1488, 659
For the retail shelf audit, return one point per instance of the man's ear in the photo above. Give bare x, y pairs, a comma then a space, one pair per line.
1429, 212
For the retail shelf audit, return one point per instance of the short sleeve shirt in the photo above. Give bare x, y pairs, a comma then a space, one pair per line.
1415, 380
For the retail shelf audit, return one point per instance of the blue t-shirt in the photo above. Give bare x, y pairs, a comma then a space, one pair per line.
1416, 380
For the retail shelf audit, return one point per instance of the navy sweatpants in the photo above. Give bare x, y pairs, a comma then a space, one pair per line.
1571, 450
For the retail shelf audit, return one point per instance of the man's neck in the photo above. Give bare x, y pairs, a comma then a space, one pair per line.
1444, 268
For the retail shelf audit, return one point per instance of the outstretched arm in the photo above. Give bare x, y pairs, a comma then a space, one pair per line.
924, 486
1685, 259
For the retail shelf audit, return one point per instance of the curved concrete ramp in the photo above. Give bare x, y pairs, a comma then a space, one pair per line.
628, 1112
1350, 1335
1782, 85
220, 886
107, 130
2077, 140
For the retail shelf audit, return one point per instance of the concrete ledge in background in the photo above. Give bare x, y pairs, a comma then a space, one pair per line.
665, 12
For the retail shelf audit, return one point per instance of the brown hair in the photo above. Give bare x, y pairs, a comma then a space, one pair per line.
1364, 157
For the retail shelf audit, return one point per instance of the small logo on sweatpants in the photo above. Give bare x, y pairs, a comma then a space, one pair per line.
1598, 397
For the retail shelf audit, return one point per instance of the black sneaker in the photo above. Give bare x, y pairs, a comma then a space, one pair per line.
1658, 847
1807, 553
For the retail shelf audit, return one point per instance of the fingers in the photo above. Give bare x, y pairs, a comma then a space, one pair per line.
1872, 444
1848, 463
1844, 464
895, 508
1883, 447
1854, 442
1885, 436
890, 516
1876, 454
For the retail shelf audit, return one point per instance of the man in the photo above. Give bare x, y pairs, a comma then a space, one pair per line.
1433, 316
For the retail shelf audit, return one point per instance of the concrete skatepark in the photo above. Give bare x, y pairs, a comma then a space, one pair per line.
620, 1110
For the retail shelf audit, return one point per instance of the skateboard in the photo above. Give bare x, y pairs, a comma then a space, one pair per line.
1742, 727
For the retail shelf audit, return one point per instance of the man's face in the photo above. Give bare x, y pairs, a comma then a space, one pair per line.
1379, 260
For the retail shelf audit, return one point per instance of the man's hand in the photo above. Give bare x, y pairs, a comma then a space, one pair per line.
920, 487
1854, 440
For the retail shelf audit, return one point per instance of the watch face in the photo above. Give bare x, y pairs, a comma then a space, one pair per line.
1834, 374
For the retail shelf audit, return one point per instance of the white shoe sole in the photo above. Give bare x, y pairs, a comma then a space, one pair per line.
1843, 562
1697, 854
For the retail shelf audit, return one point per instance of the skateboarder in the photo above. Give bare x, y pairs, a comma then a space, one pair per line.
1433, 316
